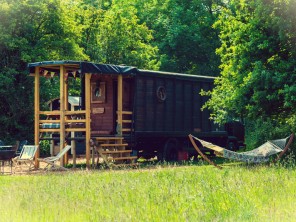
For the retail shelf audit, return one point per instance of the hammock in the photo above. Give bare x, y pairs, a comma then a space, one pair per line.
259, 155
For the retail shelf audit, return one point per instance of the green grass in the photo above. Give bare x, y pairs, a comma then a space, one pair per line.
157, 193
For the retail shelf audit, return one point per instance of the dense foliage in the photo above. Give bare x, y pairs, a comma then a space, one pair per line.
29, 31
251, 42
184, 33
257, 51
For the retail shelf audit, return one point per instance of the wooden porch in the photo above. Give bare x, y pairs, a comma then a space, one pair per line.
64, 121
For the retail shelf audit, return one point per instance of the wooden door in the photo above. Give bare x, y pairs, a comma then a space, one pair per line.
102, 105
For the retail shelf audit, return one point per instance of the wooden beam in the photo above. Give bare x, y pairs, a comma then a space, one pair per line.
62, 110
87, 117
73, 147
127, 112
75, 121
66, 108
50, 113
57, 112
49, 130
49, 121
77, 112
66, 91
76, 130
36, 113
73, 143
202, 154
119, 104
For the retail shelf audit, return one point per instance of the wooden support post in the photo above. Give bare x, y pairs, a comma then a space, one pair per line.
73, 147
36, 113
87, 117
73, 144
66, 109
62, 110
51, 141
119, 105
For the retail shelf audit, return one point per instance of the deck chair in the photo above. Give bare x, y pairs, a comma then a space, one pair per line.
20, 147
259, 155
51, 161
26, 156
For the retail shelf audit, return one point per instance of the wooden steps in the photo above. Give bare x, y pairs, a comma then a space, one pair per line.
116, 151
114, 145
125, 158
112, 150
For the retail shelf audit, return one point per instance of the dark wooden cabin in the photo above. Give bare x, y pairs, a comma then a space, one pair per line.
150, 112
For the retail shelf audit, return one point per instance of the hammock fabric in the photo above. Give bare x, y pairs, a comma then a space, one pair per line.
259, 155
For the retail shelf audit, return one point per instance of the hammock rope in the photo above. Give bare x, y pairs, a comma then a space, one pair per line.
259, 155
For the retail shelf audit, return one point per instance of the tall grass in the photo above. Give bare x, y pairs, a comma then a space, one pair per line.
188, 193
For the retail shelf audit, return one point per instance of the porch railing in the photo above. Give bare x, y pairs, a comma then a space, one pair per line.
125, 125
74, 121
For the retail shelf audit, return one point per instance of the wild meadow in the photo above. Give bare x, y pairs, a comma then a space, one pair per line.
158, 193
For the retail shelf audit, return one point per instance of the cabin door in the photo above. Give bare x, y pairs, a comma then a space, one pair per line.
102, 105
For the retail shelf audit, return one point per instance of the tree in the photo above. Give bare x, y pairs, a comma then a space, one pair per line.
122, 39
112, 33
88, 15
184, 34
257, 62
30, 31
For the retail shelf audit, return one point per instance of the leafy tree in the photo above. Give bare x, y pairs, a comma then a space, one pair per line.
88, 14
258, 62
30, 31
112, 33
184, 34
122, 39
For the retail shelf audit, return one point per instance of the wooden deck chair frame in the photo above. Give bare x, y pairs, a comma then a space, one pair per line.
26, 157
51, 161
285, 149
20, 147
219, 167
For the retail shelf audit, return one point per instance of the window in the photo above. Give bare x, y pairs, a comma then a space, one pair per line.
98, 92
161, 94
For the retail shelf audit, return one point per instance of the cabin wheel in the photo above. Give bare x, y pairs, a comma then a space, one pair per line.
170, 151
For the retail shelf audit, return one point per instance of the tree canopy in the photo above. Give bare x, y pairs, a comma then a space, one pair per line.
184, 34
29, 31
257, 53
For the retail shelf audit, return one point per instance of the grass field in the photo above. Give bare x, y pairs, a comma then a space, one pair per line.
158, 193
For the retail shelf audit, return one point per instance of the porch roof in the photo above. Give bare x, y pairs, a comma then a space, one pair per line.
94, 68
82, 67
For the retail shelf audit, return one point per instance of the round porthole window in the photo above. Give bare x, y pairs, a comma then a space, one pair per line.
161, 94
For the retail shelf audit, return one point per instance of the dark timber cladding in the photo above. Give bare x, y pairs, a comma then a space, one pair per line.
180, 110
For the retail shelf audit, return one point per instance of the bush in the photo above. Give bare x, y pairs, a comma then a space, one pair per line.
261, 130
44, 148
